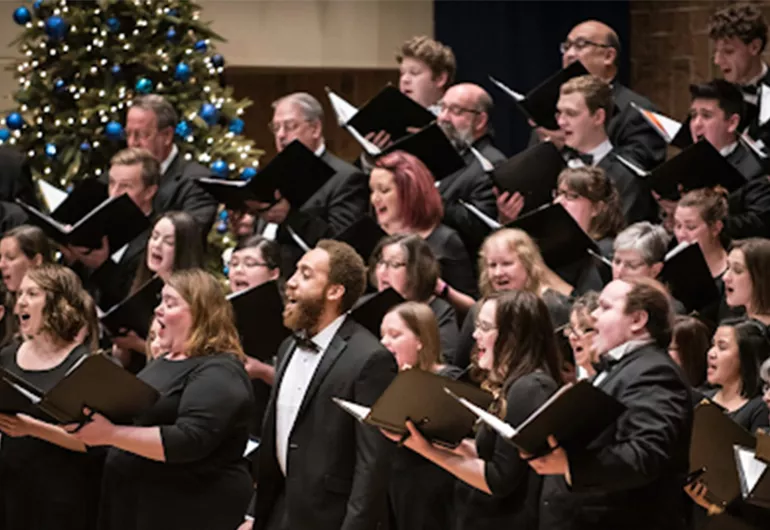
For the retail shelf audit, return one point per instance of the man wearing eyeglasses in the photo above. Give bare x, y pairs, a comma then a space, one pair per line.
341, 201
464, 118
597, 46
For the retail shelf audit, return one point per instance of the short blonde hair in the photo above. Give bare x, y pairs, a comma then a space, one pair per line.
213, 330
136, 156
439, 57
597, 93
526, 249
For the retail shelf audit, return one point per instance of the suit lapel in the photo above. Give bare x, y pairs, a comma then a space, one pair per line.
330, 356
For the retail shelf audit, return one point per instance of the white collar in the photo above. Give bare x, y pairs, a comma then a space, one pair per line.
618, 352
761, 75
321, 149
435, 109
600, 151
323, 338
170, 158
728, 149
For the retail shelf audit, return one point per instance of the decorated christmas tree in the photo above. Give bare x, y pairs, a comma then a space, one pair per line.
82, 62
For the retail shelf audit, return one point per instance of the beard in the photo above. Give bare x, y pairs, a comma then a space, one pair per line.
460, 140
304, 314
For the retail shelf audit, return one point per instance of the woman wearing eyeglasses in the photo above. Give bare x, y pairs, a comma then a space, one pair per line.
255, 261
580, 332
405, 201
407, 264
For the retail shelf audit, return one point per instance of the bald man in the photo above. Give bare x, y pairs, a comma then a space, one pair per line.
464, 118
597, 46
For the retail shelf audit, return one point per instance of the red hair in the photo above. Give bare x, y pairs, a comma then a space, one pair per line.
421, 206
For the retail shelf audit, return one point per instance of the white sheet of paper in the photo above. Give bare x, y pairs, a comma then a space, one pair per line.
633, 167
764, 104
360, 412
486, 165
752, 468
666, 127
52, 196
515, 95
251, 446
342, 108
491, 223
505, 430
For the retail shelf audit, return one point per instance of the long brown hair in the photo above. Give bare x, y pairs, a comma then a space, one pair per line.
525, 343
421, 320
593, 184
213, 330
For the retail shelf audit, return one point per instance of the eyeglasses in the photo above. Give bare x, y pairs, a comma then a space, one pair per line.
288, 126
580, 43
484, 327
391, 264
248, 263
633, 265
456, 110
569, 195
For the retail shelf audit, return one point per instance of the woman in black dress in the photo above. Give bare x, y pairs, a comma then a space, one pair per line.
419, 493
181, 465
48, 480
518, 353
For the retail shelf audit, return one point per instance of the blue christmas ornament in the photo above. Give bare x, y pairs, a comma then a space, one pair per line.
85, 146
4, 134
182, 72
113, 130
209, 113
115, 69
183, 129
22, 15
171, 34
220, 169
113, 23
226, 270
218, 60
56, 27
173, 12
223, 215
222, 227
144, 85
248, 173
69, 188
37, 5
236, 126
60, 85
14, 121
50, 150
201, 46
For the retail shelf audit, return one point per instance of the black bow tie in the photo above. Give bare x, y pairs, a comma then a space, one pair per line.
605, 363
750, 90
572, 154
305, 343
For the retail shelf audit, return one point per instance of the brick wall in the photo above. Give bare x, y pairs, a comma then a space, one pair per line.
670, 49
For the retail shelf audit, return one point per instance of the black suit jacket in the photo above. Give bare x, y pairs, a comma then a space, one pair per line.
472, 185
636, 200
111, 283
11, 216
16, 178
631, 476
456, 267
339, 203
630, 133
337, 467
179, 190
745, 162
749, 210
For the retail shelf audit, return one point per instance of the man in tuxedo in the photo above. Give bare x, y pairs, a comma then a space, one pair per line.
597, 46
632, 475
582, 110
150, 125
319, 468
464, 118
715, 114
739, 36
339, 203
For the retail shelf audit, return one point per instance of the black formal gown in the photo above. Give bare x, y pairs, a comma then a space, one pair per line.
515, 486
44, 486
204, 413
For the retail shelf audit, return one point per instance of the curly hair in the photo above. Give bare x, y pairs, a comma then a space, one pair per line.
66, 309
437, 56
742, 21
213, 329
594, 184
346, 268
597, 94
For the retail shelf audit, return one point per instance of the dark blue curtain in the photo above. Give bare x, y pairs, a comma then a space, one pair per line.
517, 42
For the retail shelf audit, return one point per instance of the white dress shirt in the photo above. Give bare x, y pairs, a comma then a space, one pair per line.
293, 386
728, 149
598, 153
170, 158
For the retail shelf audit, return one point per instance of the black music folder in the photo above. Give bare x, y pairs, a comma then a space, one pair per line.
136, 311
363, 236
96, 382
557, 234
575, 415
118, 218
259, 319
419, 396
86, 196
533, 173
698, 166
539, 104
296, 172
714, 436
433, 148
688, 278
392, 112
370, 309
